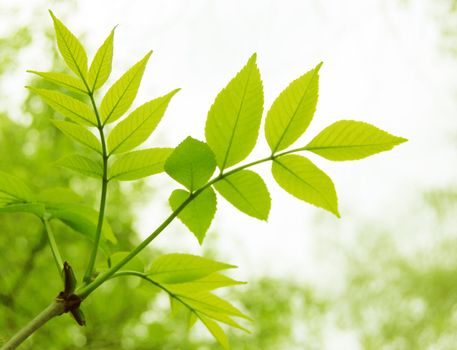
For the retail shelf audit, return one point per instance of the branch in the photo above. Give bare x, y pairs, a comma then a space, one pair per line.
101, 212
54, 309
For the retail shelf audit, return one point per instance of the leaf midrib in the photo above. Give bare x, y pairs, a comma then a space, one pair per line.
122, 96
146, 119
244, 197
237, 118
100, 66
305, 182
393, 143
295, 111
73, 58
70, 110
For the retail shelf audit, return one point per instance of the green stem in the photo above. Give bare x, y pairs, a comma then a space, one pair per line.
54, 248
54, 309
88, 289
101, 212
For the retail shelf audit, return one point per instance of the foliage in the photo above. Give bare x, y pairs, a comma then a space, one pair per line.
231, 132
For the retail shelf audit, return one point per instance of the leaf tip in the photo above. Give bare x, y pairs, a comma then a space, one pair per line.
401, 140
319, 65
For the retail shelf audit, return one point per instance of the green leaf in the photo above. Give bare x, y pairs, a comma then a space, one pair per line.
79, 133
71, 49
81, 218
192, 163
247, 192
58, 195
120, 96
302, 179
138, 164
82, 165
292, 112
139, 125
68, 106
352, 140
198, 214
206, 301
34, 208
135, 264
181, 268
216, 331
222, 318
100, 69
63, 79
234, 119
14, 188
207, 283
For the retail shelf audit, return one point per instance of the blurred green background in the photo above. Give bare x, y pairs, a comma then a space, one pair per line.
378, 280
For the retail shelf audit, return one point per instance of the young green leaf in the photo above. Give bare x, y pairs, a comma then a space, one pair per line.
247, 192
33, 208
68, 106
62, 79
58, 195
302, 179
15, 188
81, 218
198, 214
207, 283
120, 96
100, 69
139, 125
71, 49
234, 119
221, 317
138, 164
292, 112
182, 268
192, 163
216, 331
81, 165
206, 301
352, 140
79, 133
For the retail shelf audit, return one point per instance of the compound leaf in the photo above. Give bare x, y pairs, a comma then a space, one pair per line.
192, 163
302, 179
79, 133
71, 49
139, 125
138, 164
68, 106
199, 213
352, 140
120, 96
234, 119
292, 112
82, 165
182, 268
64, 80
100, 68
246, 191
